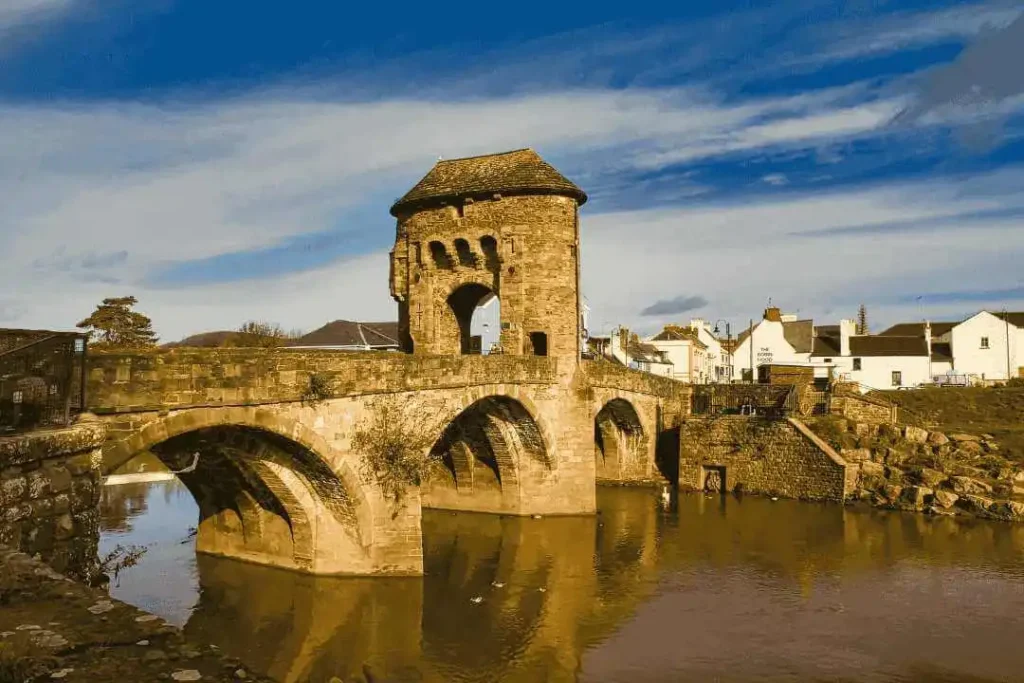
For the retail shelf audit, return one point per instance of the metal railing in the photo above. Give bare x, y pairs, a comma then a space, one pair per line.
744, 399
42, 379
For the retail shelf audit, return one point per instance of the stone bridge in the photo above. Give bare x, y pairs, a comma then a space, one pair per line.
278, 481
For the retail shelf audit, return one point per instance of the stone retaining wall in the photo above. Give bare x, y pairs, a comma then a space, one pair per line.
778, 457
863, 409
49, 493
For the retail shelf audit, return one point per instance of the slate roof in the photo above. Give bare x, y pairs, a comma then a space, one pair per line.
1015, 319
800, 335
678, 334
520, 171
351, 333
826, 330
877, 345
917, 330
827, 345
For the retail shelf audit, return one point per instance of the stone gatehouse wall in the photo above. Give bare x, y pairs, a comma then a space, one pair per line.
49, 495
777, 457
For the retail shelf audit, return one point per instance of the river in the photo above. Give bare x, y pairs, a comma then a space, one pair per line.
699, 589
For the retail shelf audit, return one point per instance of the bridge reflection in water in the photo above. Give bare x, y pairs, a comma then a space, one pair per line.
725, 588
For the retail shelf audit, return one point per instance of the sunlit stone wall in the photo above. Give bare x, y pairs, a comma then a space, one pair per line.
764, 456
49, 492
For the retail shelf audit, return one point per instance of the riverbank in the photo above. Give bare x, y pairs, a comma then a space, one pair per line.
54, 628
913, 469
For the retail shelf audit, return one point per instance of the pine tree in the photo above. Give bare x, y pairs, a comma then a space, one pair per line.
862, 320
115, 326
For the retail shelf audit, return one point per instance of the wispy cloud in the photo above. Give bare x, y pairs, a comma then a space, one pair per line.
675, 306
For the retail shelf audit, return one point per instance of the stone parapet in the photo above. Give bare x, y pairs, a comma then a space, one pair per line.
49, 492
176, 378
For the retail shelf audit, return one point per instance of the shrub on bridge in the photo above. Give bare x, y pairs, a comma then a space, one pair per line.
394, 443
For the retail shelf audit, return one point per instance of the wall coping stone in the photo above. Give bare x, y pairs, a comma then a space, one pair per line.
51, 443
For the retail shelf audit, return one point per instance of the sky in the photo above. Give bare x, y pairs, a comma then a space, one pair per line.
232, 161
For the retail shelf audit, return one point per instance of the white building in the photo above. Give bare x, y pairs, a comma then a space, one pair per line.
687, 354
718, 357
874, 361
987, 347
636, 354
774, 339
984, 347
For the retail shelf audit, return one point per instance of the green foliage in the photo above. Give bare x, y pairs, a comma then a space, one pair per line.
113, 325
20, 661
319, 389
394, 442
259, 334
1016, 383
110, 566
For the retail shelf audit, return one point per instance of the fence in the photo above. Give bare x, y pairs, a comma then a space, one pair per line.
42, 379
745, 399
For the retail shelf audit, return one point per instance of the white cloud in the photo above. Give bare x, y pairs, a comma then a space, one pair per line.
19, 13
82, 183
738, 255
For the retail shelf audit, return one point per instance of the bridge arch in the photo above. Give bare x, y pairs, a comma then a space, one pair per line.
269, 489
491, 445
620, 441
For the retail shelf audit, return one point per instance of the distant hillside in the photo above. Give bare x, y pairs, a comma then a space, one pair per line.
204, 339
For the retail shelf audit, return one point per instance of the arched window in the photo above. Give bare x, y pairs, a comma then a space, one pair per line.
489, 246
439, 254
465, 256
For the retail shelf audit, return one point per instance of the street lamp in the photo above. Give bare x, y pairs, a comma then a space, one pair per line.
728, 340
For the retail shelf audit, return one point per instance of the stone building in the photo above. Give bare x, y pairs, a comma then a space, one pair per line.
505, 225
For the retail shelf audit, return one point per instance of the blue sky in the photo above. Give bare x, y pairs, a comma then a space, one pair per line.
228, 161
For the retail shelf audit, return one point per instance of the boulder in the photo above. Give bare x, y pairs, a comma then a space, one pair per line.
972, 448
895, 475
915, 496
915, 434
943, 512
945, 499
1005, 473
856, 454
1009, 510
1018, 477
979, 505
929, 477
964, 485
862, 429
891, 492
990, 446
964, 438
938, 439
872, 469
894, 457
967, 471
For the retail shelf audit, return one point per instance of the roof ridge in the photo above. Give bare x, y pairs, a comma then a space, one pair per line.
492, 154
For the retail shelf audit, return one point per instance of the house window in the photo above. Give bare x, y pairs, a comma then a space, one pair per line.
984, 342
897, 378
828, 360
856, 364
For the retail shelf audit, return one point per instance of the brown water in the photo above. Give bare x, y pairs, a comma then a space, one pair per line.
711, 589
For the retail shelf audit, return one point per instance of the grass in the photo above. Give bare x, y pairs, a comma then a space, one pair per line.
997, 411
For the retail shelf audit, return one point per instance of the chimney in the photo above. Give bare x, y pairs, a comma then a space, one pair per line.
847, 329
697, 323
774, 314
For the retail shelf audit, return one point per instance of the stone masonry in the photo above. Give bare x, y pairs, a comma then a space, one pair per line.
49, 492
503, 224
777, 457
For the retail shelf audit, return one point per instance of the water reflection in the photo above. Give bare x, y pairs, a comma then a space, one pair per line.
714, 589
157, 516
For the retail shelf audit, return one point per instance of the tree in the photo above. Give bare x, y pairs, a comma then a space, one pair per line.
862, 320
259, 334
115, 326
